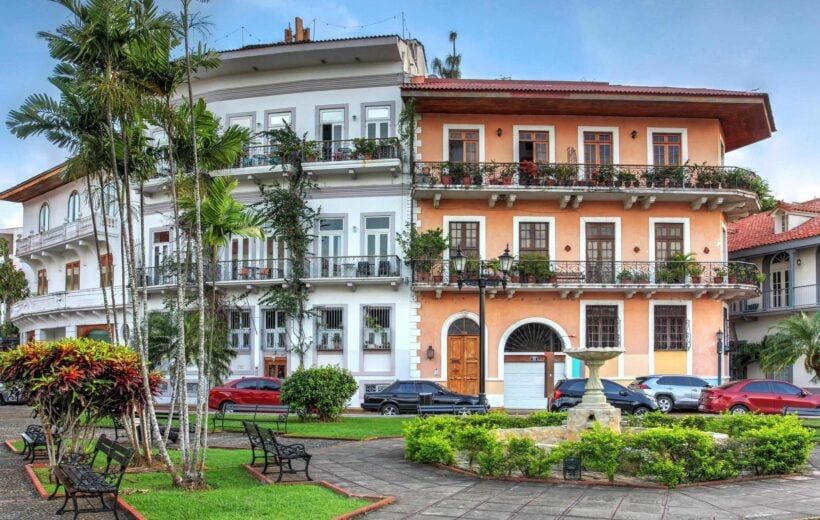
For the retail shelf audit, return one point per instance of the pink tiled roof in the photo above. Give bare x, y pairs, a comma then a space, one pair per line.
758, 230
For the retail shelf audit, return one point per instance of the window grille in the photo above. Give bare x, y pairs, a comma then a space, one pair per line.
330, 328
274, 334
239, 322
602, 326
376, 328
671, 327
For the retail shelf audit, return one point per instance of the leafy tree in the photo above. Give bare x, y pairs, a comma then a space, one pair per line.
796, 336
13, 284
451, 67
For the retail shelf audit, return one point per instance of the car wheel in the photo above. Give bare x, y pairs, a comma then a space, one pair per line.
738, 409
389, 409
564, 408
224, 404
665, 404
640, 410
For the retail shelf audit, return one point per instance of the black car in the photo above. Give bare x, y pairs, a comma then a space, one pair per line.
403, 397
569, 392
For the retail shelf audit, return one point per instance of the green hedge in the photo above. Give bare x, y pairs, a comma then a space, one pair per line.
671, 451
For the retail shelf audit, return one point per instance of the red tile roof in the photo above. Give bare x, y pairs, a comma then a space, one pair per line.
564, 86
758, 230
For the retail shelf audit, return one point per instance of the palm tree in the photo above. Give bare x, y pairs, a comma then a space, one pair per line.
451, 67
796, 336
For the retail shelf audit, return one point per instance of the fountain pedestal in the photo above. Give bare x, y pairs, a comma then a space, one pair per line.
593, 407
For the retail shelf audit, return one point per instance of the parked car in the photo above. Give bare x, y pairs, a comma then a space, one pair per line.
569, 392
403, 397
248, 390
756, 395
671, 391
9, 396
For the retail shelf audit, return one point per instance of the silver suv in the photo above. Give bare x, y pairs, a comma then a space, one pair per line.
671, 391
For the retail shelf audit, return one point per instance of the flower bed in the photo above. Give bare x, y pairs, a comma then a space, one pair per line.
656, 448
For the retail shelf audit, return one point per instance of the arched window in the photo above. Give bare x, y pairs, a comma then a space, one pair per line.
43, 220
533, 337
73, 206
780, 280
110, 199
463, 327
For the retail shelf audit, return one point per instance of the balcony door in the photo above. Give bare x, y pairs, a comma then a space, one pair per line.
240, 258
377, 238
331, 243
331, 132
600, 250
780, 280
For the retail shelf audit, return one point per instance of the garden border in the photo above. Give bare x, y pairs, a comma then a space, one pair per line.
378, 501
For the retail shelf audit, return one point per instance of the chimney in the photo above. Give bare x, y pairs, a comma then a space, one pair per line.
300, 32
288, 34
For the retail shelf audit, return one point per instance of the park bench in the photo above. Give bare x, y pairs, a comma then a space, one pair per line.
162, 419
33, 438
119, 429
80, 478
282, 454
451, 409
804, 413
260, 414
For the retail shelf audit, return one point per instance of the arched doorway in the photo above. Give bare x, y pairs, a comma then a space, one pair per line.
530, 366
462, 356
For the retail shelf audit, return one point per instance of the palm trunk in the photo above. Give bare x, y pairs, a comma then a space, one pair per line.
104, 208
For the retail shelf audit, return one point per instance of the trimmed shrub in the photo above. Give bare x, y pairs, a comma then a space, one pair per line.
320, 391
491, 462
472, 440
781, 448
521, 454
435, 448
601, 449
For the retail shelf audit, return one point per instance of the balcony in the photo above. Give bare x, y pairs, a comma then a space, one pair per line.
354, 270
719, 280
228, 272
71, 232
727, 188
780, 301
84, 300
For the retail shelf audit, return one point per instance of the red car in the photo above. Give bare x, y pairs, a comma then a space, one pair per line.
248, 390
755, 395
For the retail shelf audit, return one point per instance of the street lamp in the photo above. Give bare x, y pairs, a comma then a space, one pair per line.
482, 280
719, 335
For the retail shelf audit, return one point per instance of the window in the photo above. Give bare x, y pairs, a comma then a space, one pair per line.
429, 388
598, 147
671, 330
666, 149
674, 381
242, 121
779, 280
275, 258
697, 382
377, 236
533, 238
72, 276
377, 122
42, 222
73, 207
602, 326
407, 388
239, 325
247, 384
757, 387
668, 240
533, 146
268, 386
465, 235
785, 388
42, 282
376, 328
331, 246
330, 328
279, 120
784, 222
332, 122
110, 200
464, 146
274, 334
240, 258
106, 269
600, 251
611, 387
162, 246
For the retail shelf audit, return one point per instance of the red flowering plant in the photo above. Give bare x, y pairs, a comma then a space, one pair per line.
72, 384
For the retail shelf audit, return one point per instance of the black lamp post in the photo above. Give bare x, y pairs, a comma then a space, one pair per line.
719, 335
482, 280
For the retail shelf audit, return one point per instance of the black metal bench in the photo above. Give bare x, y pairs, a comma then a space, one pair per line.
119, 429
162, 419
33, 438
80, 478
282, 454
452, 409
260, 414
803, 413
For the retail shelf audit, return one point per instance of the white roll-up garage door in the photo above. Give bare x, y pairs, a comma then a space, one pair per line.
524, 385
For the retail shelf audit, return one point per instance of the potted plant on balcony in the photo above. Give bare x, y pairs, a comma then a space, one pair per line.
695, 271
678, 266
759, 277
311, 151
640, 277
566, 175
720, 274
423, 249
528, 172
364, 148
626, 276
627, 179
446, 178
734, 271
605, 175
536, 268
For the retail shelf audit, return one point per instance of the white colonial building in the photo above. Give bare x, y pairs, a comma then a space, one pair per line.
334, 91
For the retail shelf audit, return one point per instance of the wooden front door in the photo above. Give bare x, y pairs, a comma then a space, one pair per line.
276, 367
462, 365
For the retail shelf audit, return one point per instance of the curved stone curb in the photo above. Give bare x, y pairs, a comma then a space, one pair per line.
378, 501
605, 483
38, 486
329, 438
10, 445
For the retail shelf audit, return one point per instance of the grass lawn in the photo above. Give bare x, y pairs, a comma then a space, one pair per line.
345, 428
234, 494
816, 424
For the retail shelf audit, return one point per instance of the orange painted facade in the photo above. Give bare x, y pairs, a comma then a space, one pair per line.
563, 311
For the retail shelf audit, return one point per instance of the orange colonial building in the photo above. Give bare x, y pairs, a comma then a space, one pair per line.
594, 187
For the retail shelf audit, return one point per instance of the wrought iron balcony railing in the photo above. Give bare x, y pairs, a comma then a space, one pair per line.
626, 176
361, 267
324, 151
591, 272
780, 300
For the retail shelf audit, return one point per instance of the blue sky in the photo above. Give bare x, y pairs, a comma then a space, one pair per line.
744, 44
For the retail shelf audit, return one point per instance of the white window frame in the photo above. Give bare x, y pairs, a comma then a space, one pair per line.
668, 220
616, 144
582, 326
482, 233
583, 230
550, 129
445, 150
651, 356
550, 221
240, 330
684, 147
